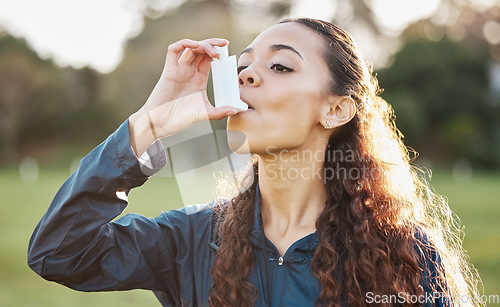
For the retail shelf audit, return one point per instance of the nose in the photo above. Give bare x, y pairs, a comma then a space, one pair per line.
249, 76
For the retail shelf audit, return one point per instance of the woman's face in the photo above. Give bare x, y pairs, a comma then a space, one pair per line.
284, 80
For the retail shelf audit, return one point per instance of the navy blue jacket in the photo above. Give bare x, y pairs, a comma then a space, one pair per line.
77, 244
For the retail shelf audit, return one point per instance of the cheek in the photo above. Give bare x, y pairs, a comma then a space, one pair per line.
302, 110
298, 103
291, 125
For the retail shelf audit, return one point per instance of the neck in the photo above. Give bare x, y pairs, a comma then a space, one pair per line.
292, 190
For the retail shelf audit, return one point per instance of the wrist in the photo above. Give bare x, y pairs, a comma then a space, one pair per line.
142, 133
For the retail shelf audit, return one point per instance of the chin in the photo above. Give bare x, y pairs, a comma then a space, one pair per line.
238, 142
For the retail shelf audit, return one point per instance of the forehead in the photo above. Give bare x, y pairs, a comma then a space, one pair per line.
304, 40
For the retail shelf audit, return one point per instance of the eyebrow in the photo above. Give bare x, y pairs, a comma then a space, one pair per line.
275, 48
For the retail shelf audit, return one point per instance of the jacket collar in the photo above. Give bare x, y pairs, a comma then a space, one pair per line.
308, 243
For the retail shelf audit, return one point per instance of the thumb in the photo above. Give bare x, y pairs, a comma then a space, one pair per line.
221, 112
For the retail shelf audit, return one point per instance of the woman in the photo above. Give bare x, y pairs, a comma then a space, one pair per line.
351, 226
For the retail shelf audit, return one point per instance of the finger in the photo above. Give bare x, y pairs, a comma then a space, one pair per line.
198, 58
207, 46
176, 48
188, 57
205, 64
221, 112
219, 42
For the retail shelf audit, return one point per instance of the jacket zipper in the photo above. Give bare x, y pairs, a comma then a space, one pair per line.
279, 283
280, 260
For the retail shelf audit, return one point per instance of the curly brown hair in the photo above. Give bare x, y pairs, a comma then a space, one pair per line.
369, 228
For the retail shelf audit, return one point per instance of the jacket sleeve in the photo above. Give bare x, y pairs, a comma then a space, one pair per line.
75, 243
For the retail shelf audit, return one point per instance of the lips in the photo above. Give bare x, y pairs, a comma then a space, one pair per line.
250, 107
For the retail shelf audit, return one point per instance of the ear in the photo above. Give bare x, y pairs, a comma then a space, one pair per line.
337, 111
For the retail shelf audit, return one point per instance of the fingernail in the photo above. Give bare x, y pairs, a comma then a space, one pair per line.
231, 113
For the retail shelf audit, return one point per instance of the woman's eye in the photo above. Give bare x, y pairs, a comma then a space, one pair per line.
240, 68
280, 68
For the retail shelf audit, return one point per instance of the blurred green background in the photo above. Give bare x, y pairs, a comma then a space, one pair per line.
440, 71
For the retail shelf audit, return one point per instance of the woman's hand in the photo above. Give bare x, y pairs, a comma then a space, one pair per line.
179, 99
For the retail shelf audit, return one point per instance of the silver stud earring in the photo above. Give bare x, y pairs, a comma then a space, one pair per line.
327, 124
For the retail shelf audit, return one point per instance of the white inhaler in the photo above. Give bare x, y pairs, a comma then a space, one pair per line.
225, 81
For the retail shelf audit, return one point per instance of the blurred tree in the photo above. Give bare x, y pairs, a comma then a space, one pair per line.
439, 91
76, 115
442, 83
40, 102
25, 80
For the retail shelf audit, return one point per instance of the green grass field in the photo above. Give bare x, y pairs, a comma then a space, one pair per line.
477, 202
